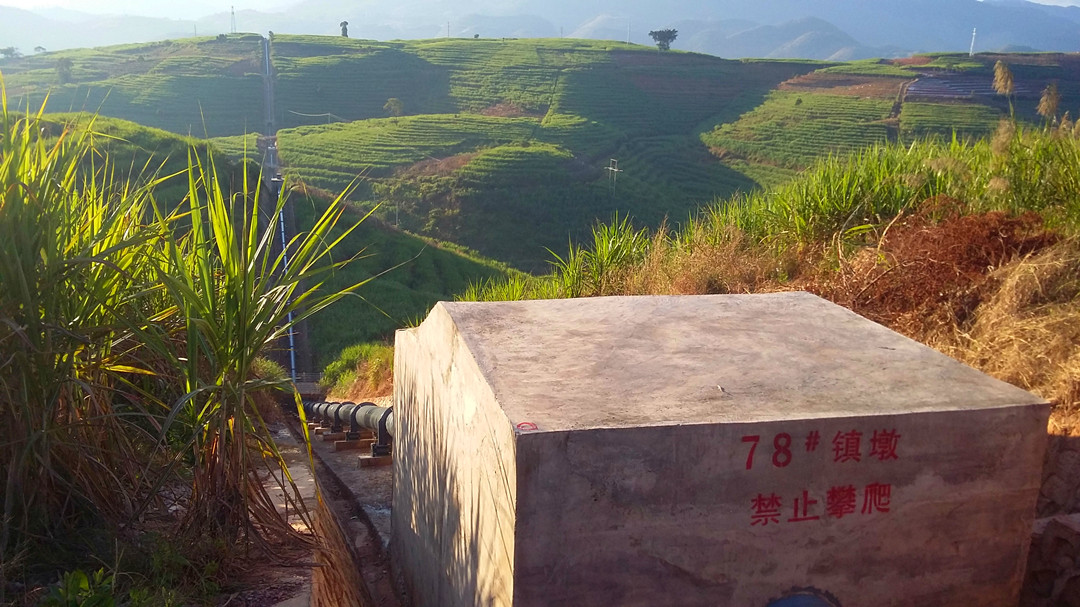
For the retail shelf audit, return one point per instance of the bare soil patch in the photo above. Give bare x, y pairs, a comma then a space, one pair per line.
509, 110
918, 60
438, 167
877, 87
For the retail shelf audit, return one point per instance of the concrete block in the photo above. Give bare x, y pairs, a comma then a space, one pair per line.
352, 445
703, 451
367, 461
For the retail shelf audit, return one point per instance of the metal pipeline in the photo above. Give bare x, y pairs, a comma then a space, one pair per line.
361, 416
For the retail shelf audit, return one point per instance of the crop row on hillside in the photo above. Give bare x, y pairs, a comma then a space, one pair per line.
376, 147
965, 119
791, 130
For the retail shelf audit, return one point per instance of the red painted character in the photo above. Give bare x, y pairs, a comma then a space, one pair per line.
840, 501
876, 498
847, 447
883, 444
766, 509
802, 509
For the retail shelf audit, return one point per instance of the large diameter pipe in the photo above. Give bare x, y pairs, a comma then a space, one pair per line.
370, 416
363, 415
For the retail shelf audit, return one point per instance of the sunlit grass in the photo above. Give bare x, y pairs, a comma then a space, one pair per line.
130, 343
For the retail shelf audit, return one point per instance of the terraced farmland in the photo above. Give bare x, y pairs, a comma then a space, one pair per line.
332, 156
539, 121
199, 86
353, 79
791, 130
503, 145
965, 119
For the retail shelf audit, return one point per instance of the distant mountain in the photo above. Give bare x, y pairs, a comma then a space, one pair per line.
808, 38
817, 29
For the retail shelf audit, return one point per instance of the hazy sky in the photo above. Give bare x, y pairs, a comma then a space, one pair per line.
188, 9
193, 9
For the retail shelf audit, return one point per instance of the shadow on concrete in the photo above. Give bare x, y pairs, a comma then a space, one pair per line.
436, 547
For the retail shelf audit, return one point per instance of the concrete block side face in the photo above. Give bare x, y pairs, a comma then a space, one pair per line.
936, 511
454, 474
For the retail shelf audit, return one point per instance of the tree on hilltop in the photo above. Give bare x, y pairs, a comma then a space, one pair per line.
10, 52
39, 49
344, 29
664, 38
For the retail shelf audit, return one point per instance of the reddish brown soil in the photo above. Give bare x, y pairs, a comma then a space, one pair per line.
926, 275
509, 110
922, 60
440, 167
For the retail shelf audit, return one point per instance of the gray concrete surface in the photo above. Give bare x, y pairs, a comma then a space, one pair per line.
717, 450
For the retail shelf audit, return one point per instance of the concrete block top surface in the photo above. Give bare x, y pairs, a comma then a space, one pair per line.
614, 362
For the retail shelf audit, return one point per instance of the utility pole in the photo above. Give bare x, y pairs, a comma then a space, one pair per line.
971, 53
628, 31
233, 11
447, 29
613, 174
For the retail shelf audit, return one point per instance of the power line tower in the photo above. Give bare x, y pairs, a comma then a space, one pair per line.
233, 24
613, 174
971, 53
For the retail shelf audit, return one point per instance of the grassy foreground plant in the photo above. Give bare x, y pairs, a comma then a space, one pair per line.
235, 296
128, 343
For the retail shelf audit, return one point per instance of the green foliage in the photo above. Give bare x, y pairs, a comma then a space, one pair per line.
76, 589
509, 185
374, 360
664, 38
130, 341
237, 147
394, 106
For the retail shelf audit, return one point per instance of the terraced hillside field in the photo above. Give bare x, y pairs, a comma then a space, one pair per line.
506, 149
845, 107
199, 86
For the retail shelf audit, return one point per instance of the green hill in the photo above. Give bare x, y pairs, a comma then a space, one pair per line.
504, 146
199, 86
505, 142
421, 273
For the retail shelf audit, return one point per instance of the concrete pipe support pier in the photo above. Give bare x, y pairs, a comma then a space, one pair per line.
751, 451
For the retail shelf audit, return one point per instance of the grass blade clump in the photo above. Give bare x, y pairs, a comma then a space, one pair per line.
130, 345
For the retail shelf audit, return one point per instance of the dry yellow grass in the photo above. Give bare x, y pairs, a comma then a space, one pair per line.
1027, 330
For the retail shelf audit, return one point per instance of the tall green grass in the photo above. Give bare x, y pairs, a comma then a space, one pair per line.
129, 339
